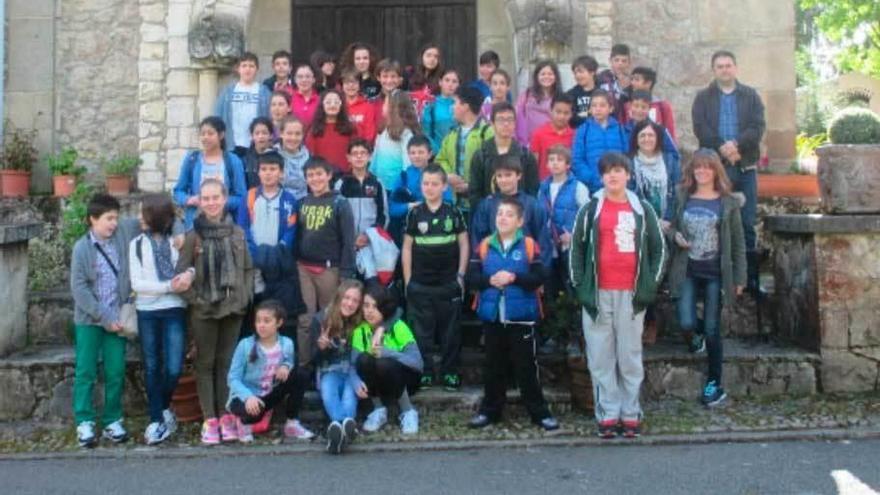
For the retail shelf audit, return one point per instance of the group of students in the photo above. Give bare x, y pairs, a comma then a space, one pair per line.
305, 207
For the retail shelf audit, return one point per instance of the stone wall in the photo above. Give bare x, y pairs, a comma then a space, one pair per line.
828, 270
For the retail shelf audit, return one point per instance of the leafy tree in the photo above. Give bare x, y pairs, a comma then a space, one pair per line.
855, 25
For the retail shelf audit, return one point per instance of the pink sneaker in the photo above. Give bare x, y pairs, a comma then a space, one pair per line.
294, 429
229, 428
262, 426
211, 431
245, 435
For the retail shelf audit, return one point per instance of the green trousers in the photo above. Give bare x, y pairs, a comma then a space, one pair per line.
92, 342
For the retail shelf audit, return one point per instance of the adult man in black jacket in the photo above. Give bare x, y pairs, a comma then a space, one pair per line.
728, 117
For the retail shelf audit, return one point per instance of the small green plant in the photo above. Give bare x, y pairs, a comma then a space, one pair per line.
855, 126
19, 152
73, 219
561, 317
48, 260
806, 145
121, 165
64, 163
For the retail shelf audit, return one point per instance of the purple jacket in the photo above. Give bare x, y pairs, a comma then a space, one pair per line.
530, 115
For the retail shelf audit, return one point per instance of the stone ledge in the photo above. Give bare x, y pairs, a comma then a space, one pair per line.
823, 224
15, 233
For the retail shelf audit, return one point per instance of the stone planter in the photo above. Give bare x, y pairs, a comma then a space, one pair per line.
787, 186
63, 185
118, 185
849, 178
15, 183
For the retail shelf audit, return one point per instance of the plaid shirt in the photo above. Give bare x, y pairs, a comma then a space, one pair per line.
105, 280
728, 124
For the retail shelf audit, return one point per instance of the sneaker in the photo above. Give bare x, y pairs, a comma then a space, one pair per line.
409, 422
698, 344
349, 427
170, 420
632, 428
713, 395
376, 420
607, 428
245, 433
451, 382
294, 429
115, 432
262, 426
228, 428
427, 381
335, 436
156, 433
549, 423
211, 431
85, 434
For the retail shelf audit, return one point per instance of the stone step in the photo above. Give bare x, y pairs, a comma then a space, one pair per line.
37, 382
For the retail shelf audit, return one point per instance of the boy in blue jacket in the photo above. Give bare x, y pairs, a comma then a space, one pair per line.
508, 173
407, 193
241, 102
507, 271
268, 218
598, 135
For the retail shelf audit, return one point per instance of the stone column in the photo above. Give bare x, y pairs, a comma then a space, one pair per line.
207, 91
13, 291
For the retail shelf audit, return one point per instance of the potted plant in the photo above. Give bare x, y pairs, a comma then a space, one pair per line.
18, 158
849, 167
118, 172
64, 171
801, 182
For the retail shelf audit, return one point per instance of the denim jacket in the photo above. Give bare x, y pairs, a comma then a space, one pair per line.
244, 375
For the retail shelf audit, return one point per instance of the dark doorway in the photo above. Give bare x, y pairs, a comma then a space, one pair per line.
398, 28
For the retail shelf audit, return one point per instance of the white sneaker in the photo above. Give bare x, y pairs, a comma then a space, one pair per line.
294, 429
335, 437
85, 434
115, 432
245, 433
376, 420
156, 433
409, 422
170, 420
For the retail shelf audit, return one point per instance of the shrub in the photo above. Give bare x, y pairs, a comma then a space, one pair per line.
48, 259
19, 152
122, 165
64, 163
855, 126
74, 224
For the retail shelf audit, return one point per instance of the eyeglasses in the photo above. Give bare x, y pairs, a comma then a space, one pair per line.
505, 120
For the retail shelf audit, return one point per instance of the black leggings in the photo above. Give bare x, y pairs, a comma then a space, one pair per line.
293, 390
386, 378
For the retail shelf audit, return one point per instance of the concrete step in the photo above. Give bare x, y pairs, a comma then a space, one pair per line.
37, 382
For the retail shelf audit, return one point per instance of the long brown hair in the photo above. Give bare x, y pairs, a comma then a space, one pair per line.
708, 158
337, 325
401, 115
343, 125
346, 60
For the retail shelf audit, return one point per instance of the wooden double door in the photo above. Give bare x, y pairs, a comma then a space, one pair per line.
398, 28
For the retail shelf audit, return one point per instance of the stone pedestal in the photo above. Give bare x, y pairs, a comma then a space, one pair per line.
13, 291
827, 276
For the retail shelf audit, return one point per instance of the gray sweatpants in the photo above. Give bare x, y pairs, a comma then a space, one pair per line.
614, 355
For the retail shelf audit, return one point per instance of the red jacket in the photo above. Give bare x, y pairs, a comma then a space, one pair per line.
332, 147
660, 113
304, 109
543, 139
362, 114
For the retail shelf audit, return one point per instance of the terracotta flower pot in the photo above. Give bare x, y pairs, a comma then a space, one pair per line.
118, 185
185, 400
63, 185
788, 186
15, 183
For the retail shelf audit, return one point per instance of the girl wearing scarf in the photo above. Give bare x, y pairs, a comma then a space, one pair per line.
215, 253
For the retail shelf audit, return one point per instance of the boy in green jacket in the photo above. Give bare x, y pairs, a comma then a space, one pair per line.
616, 262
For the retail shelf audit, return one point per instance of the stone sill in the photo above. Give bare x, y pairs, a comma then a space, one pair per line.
823, 224
15, 233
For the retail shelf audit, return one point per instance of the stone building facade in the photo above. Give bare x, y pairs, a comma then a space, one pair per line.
116, 76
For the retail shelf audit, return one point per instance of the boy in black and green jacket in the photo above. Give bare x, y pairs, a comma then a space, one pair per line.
616, 263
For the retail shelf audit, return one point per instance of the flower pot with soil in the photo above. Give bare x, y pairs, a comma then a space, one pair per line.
18, 158
788, 186
64, 172
118, 172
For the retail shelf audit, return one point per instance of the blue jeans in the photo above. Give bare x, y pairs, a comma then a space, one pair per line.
746, 182
338, 395
710, 290
163, 336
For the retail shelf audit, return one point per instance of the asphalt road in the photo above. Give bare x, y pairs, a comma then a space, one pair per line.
755, 468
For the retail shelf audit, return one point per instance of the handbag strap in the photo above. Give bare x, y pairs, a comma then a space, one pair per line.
107, 259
